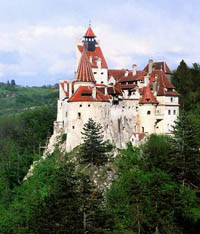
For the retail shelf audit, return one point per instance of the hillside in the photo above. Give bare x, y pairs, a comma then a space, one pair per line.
15, 98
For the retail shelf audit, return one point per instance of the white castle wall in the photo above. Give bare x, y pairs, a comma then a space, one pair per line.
147, 118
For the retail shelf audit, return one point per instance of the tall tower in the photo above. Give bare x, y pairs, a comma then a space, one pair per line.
95, 56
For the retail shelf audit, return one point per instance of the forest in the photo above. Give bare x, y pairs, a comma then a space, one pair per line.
155, 187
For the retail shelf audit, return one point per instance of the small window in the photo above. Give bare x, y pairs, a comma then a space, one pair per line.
80, 105
66, 114
95, 72
101, 73
142, 129
171, 99
169, 112
79, 115
73, 127
148, 112
88, 105
174, 112
101, 82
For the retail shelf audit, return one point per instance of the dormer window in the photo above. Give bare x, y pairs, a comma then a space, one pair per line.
148, 99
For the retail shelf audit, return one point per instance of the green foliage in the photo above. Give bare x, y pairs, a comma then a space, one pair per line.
185, 151
187, 82
55, 199
93, 149
16, 99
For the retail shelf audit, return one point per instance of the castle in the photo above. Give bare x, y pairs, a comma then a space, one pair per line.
129, 104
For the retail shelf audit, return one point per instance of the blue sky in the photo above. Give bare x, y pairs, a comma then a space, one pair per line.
38, 37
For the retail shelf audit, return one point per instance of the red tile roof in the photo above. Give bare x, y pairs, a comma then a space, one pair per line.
115, 90
128, 86
116, 73
84, 72
165, 86
161, 66
139, 76
147, 97
97, 53
140, 135
84, 94
89, 33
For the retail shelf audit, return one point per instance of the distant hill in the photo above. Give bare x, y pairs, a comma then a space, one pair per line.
14, 98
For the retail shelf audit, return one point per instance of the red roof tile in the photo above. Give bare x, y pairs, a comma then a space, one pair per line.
84, 94
97, 53
89, 33
116, 74
128, 86
140, 135
165, 86
148, 97
84, 72
161, 66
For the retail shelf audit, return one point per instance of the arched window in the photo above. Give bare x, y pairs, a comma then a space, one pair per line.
142, 129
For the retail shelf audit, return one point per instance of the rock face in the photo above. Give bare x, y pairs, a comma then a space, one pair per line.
129, 104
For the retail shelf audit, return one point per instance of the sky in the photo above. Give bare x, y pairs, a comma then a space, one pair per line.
38, 37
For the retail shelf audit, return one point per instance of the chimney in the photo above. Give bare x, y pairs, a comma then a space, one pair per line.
94, 92
91, 59
106, 90
150, 66
134, 69
70, 89
126, 73
99, 62
155, 85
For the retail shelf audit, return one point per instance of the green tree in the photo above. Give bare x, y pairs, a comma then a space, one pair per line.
183, 83
185, 151
93, 149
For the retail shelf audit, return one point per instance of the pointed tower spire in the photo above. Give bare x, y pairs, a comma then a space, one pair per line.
84, 72
90, 33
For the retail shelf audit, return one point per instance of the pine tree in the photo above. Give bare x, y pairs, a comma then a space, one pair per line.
185, 151
183, 82
94, 149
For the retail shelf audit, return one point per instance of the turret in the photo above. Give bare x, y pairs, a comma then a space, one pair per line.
89, 40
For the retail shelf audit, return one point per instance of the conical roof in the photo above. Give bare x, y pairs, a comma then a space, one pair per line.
89, 33
84, 72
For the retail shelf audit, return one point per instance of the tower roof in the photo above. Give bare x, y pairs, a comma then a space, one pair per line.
84, 72
89, 33
148, 97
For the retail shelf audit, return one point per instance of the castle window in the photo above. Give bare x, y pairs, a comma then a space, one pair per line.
142, 129
79, 115
73, 127
148, 112
169, 112
171, 99
80, 105
88, 105
174, 112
